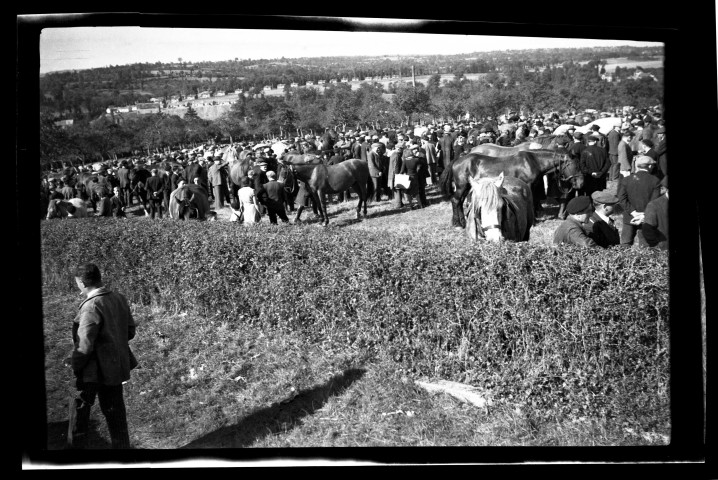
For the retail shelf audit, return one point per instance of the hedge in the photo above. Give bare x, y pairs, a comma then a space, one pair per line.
562, 331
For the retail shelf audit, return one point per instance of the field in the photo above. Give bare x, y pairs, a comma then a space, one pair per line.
304, 336
623, 62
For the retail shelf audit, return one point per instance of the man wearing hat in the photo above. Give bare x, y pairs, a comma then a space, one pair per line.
155, 193
217, 178
634, 193
600, 225
123, 175
415, 166
577, 147
276, 199
613, 138
395, 163
571, 230
655, 220
446, 147
594, 165
375, 169
625, 154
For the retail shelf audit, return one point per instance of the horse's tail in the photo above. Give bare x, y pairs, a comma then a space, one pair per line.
369, 189
446, 179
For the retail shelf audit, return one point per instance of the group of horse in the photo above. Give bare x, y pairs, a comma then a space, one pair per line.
505, 183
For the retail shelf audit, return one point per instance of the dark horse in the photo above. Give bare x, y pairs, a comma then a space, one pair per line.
322, 179
558, 187
189, 201
90, 188
500, 209
329, 138
546, 142
529, 166
137, 175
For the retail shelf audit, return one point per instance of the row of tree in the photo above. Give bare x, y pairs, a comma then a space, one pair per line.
87, 93
300, 111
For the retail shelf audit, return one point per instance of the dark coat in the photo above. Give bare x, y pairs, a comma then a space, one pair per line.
154, 184
375, 167
655, 223
604, 234
613, 138
635, 191
276, 196
446, 145
571, 231
123, 175
101, 331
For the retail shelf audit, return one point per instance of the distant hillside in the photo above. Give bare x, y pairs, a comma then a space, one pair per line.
87, 93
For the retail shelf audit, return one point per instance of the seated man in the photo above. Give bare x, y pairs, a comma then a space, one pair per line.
571, 231
600, 226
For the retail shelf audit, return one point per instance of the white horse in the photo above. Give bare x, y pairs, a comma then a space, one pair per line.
73, 208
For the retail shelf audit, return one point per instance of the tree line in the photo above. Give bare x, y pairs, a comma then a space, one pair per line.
571, 86
85, 94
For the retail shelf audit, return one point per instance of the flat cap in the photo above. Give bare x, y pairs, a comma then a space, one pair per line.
605, 197
644, 160
579, 205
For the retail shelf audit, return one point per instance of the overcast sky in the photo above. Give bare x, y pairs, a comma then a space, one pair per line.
93, 47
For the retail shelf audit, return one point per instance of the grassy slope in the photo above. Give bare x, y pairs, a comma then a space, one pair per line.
286, 392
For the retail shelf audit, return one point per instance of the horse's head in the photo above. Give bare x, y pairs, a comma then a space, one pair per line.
285, 176
184, 205
486, 210
568, 169
60, 209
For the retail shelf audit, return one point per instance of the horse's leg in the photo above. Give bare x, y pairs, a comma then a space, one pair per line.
322, 206
457, 204
362, 199
562, 208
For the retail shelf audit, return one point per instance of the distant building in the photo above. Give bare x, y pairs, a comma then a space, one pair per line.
280, 86
294, 84
204, 94
320, 82
355, 79
267, 88
220, 93
66, 123
155, 100
367, 79
333, 80
124, 109
344, 80
310, 83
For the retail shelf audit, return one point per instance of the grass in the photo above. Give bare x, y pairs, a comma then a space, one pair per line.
210, 381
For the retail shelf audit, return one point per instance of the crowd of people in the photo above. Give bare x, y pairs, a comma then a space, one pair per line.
404, 161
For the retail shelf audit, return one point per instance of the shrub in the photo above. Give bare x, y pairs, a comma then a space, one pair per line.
562, 332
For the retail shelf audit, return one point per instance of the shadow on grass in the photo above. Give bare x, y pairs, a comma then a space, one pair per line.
57, 437
279, 417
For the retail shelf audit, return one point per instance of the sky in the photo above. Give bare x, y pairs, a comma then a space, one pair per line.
79, 48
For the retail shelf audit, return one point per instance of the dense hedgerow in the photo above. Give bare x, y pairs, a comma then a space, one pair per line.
566, 331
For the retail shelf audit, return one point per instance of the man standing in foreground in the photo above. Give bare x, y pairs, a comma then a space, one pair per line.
101, 359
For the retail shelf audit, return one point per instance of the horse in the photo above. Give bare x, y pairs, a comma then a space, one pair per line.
297, 158
558, 187
500, 209
322, 179
547, 142
74, 208
189, 201
328, 139
137, 175
90, 189
530, 166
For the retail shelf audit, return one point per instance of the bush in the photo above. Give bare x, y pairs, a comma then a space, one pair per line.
562, 332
